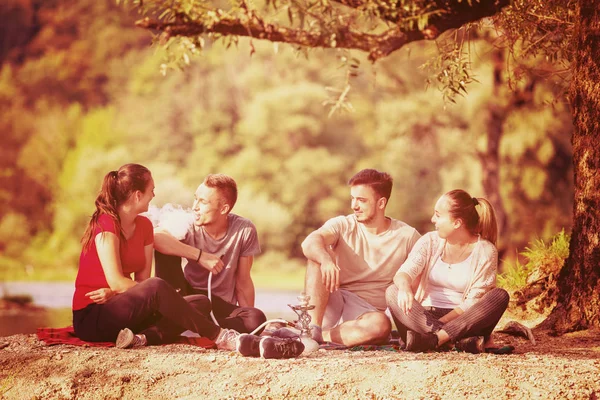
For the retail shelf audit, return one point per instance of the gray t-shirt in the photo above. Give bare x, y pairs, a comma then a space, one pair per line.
241, 240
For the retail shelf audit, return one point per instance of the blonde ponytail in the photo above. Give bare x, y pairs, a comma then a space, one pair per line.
488, 226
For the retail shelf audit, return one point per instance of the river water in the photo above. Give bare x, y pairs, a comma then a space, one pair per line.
56, 297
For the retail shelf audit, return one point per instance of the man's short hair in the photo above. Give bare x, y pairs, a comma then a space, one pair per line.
381, 182
225, 185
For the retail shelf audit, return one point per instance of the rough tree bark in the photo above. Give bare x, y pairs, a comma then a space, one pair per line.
579, 281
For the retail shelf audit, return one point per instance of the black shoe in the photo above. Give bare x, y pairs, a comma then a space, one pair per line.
272, 347
417, 342
248, 345
473, 345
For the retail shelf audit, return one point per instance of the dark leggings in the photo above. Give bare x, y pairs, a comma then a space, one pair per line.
151, 307
478, 320
230, 316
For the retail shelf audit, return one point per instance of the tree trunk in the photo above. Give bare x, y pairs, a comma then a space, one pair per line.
490, 158
579, 281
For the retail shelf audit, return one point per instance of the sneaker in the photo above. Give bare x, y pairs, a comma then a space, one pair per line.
294, 333
288, 333
227, 339
127, 339
418, 343
272, 347
473, 345
248, 345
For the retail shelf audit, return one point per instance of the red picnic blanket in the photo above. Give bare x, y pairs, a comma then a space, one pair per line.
52, 336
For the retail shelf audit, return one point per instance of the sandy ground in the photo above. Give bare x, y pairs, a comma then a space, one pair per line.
566, 367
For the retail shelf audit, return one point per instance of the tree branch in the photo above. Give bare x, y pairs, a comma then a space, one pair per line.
446, 14
452, 14
377, 46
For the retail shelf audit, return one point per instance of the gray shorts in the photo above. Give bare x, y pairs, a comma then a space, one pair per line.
343, 306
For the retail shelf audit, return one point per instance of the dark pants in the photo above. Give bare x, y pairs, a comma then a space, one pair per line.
230, 316
151, 307
478, 320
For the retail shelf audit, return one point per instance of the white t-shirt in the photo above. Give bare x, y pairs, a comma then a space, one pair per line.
368, 262
447, 283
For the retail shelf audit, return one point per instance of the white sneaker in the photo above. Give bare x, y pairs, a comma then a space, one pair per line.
227, 339
127, 339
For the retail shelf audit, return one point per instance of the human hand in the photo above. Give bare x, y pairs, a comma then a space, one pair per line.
100, 296
211, 262
405, 299
330, 276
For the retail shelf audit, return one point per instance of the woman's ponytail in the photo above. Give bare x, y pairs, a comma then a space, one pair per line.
488, 226
116, 188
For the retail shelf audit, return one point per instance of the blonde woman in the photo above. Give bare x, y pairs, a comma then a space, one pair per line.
446, 289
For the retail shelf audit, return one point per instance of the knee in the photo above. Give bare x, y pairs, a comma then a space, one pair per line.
254, 314
391, 295
376, 326
200, 302
500, 296
253, 318
155, 284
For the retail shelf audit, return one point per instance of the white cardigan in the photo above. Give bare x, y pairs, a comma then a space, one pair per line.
428, 250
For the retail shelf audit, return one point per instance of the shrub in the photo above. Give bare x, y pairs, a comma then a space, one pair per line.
542, 260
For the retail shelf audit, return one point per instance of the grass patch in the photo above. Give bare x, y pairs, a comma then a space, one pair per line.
12, 270
274, 270
542, 259
284, 279
514, 276
270, 271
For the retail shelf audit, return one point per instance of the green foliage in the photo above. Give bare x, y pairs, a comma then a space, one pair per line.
548, 258
542, 259
452, 67
514, 275
14, 233
275, 270
257, 114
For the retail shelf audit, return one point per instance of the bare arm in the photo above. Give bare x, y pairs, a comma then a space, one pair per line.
405, 293
145, 273
107, 245
316, 247
168, 244
244, 287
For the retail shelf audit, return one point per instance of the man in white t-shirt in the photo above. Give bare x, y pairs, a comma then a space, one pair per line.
352, 260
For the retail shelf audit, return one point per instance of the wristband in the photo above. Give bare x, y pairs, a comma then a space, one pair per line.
199, 255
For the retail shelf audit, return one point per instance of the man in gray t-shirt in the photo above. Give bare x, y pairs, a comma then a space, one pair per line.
219, 249
240, 241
